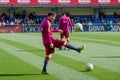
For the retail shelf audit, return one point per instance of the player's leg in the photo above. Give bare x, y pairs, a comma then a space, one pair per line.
60, 43
49, 52
67, 36
68, 40
75, 48
47, 58
61, 38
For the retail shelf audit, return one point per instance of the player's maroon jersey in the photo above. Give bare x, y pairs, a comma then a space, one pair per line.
65, 23
46, 30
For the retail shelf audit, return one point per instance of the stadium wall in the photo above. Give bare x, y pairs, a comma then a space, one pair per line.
86, 28
36, 28
111, 11
4, 10
38, 11
44, 11
77, 11
72, 11
101, 28
11, 29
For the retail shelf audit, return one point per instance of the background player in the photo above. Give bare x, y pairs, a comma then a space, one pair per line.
50, 42
65, 25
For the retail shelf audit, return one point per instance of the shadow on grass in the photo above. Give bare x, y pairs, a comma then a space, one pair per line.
9, 75
4, 75
84, 71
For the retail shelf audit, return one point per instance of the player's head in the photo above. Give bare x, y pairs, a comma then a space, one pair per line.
51, 15
64, 13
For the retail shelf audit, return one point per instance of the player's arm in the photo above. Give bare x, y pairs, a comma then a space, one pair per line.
70, 24
60, 22
60, 31
48, 34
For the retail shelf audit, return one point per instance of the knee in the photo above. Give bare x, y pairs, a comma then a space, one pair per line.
48, 57
68, 38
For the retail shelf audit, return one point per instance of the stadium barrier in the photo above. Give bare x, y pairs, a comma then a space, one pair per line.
36, 28
92, 28
10, 29
30, 28
97, 28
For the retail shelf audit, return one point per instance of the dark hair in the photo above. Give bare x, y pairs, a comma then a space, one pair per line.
64, 13
51, 14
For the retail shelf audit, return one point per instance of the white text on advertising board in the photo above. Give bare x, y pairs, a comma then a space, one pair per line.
24, 1
84, 1
44, 1
5, 1
103, 0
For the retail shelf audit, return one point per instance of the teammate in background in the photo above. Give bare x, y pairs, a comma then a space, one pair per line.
50, 42
65, 25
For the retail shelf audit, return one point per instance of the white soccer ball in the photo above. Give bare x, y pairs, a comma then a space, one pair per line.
78, 27
89, 67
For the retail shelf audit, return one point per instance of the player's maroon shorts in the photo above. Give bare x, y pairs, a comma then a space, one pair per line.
66, 34
57, 44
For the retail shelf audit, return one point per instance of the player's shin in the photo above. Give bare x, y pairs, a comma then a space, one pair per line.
68, 41
45, 64
72, 47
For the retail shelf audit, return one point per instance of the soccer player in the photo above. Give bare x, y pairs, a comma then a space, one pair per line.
50, 42
65, 25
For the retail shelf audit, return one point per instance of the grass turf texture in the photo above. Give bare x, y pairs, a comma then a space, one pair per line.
60, 57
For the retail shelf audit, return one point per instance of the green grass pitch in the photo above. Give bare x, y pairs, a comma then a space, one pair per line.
22, 56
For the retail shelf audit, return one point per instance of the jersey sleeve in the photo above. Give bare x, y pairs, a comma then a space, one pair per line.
55, 30
70, 23
48, 32
60, 22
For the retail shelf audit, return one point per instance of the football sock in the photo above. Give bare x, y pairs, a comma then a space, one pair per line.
73, 47
45, 65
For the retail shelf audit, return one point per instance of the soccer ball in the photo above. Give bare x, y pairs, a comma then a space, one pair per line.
89, 67
78, 27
